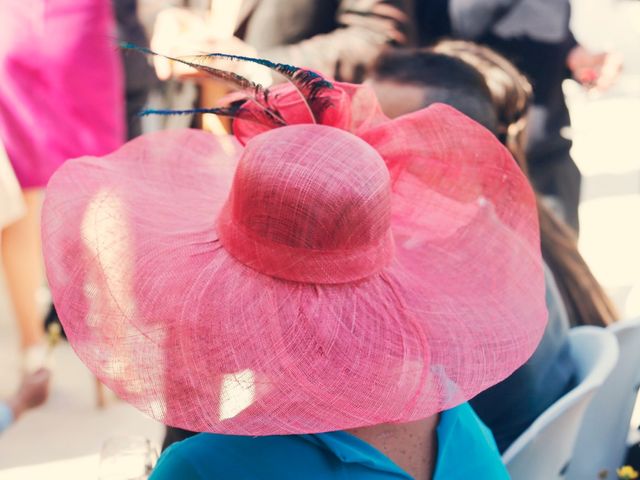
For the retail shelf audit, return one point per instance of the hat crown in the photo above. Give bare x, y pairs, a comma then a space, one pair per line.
311, 187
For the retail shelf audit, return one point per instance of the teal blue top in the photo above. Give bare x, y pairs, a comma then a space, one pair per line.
466, 449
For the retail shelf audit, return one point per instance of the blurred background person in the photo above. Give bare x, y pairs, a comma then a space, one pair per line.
32, 393
60, 97
535, 36
338, 38
485, 86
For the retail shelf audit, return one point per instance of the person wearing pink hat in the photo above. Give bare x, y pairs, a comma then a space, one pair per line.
320, 299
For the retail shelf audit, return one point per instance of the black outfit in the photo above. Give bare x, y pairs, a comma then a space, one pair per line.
502, 25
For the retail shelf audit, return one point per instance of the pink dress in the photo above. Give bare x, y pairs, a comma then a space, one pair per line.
60, 84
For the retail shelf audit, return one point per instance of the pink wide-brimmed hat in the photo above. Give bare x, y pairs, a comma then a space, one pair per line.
330, 268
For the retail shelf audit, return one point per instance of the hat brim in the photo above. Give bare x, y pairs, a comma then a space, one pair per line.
169, 320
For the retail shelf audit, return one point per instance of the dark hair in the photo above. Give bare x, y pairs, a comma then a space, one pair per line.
584, 298
510, 91
445, 79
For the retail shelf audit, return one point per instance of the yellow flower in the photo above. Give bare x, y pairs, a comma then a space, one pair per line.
627, 473
53, 335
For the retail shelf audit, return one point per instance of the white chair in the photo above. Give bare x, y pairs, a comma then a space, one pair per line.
602, 440
544, 449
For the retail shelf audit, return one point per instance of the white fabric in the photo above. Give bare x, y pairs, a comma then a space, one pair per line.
601, 443
545, 448
11, 203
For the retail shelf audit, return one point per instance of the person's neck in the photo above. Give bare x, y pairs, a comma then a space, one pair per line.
412, 446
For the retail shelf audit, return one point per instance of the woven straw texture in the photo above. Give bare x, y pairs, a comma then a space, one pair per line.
307, 279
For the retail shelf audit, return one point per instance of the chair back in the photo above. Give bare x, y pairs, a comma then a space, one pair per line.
544, 449
602, 439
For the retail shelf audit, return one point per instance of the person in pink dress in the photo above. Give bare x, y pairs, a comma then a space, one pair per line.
60, 97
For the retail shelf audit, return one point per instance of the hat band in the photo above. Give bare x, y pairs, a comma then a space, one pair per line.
302, 264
